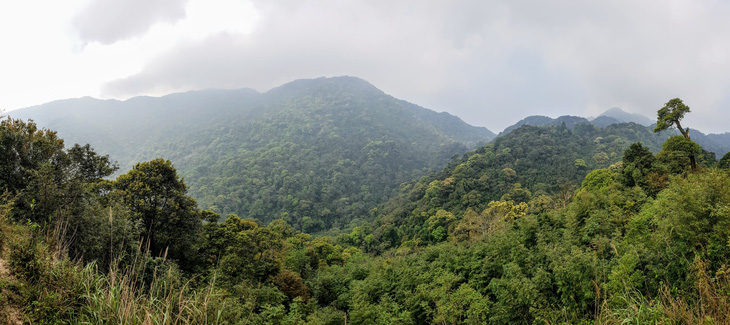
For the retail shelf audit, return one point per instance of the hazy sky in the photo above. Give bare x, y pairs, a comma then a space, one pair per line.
490, 62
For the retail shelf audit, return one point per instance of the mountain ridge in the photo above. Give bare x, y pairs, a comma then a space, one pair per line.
322, 151
717, 143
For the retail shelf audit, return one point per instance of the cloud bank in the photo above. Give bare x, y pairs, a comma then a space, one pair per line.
489, 62
110, 21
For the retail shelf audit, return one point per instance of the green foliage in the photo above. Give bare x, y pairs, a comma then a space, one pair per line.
530, 161
724, 162
168, 220
103, 234
637, 242
598, 179
677, 153
49, 182
638, 163
694, 215
87, 166
25, 149
517, 194
325, 168
670, 115
242, 249
54, 187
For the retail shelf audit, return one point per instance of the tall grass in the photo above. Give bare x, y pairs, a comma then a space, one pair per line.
123, 296
710, 302
707, 303
56, 290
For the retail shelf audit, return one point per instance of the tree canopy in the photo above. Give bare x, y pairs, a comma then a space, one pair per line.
670, 116
167, 217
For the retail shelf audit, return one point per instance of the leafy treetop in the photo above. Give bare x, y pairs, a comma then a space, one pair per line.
670, 115
157, 198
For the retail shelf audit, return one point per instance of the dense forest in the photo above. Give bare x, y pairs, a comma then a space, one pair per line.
551, 224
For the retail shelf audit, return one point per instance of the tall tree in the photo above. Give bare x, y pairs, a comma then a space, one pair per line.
156, 196
24, 148
46, 180
638, 162
670, 115
675, 153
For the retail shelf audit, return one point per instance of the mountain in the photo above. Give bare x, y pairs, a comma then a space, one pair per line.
722, 139
320, 153
625, 117
717, 143
538, 120
612, 116
604, 121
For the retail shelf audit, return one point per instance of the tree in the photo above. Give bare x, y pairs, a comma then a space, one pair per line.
597, 180
23, 149
638, 162
670, 115
693, 215
242, 249
87, 166
168, 218
48, 182
677, 153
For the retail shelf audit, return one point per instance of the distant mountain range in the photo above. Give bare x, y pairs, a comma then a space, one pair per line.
717, 143
320, 152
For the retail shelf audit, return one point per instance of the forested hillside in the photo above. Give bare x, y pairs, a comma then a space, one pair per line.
319, 153
639, 238
529, 162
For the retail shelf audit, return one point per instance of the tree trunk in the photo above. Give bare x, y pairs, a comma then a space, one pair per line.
685, 132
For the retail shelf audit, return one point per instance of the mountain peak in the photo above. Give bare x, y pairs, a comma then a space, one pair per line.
613, 111
337, 84
623, 116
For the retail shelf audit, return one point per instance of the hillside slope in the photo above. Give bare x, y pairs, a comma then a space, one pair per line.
531, 160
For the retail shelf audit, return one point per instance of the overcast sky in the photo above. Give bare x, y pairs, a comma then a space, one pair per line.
490, 62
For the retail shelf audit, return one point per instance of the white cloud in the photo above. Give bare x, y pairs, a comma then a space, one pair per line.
110, 21
33, 56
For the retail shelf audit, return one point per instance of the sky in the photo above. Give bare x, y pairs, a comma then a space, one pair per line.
490, 62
